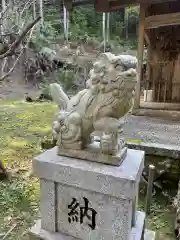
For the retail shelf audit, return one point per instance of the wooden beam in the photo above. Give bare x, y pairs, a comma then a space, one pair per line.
82, 3
140, 56
143, 1
119, 4
116, 8
163, 8
68, 5
154, 1
111, 5
162, 20
101, 6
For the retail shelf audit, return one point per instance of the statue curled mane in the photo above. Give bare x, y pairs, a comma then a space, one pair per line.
107, 97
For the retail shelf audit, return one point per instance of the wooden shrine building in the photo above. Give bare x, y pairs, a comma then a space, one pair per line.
159, 31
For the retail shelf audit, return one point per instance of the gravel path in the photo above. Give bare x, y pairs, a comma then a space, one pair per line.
148, 129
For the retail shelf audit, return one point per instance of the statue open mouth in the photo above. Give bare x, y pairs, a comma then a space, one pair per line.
97, 108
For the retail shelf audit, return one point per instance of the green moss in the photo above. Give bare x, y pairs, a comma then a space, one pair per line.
23, 127
162, 216
136, 141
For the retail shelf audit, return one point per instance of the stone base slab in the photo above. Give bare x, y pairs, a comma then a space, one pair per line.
119, 182
37, 233
137, 233
157, 149
92, 153
109, 191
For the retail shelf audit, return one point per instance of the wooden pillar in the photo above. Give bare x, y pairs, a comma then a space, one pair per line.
140, 56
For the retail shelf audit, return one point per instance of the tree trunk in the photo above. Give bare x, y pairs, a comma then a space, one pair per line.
126, 20
41, 11
34, 9
3, 20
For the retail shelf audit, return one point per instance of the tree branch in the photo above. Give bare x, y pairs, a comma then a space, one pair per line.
13, 67
25, 7
18, 58
19, 5
3, 12
17, 42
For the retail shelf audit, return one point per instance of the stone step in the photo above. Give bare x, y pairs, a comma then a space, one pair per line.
157, 149
37, 233
149, 235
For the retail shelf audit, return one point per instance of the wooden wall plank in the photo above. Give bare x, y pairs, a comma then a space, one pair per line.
162, 20
163, 8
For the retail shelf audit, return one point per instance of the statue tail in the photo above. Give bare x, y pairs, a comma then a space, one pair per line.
59, 96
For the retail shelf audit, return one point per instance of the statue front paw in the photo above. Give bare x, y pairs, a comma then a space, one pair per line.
55, 129
58, 123
106, 144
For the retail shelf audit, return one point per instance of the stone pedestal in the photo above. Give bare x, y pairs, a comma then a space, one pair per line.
88, 200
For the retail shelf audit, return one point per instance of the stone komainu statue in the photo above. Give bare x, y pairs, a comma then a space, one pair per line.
108, 96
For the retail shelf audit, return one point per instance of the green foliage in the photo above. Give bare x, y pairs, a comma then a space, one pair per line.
86, 20
133, 19
45, 92
85, 26
116, 25
13, 194
54, 19
81, 26
48, 52
42, 36
86, 23
65, 77
133, 13
161, 217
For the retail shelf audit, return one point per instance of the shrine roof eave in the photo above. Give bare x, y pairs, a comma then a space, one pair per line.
109, 5
100, 6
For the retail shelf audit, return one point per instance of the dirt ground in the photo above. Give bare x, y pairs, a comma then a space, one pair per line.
15, 86
14, 89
